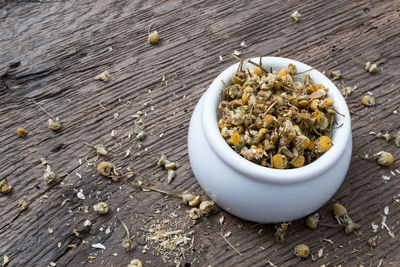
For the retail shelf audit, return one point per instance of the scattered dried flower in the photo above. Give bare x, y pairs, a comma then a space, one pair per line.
237, 52
49, 176
153, 37
346, 91
397, 139
126, 243
368, 100
22, 205
135, 263
340, 213
44, 161
312, 221
335, 74
280, 232
367, 65
5, 188
385, 136
107, 169
21, 132
384, 158
372, 241
302, 251
296, 16
54, 122
138, 129
104, 76
101, 208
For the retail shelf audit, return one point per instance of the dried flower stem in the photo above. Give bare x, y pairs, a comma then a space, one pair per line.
230, 244
126, 227
42, 109
158, 190
304, 71
138, 174
358, 61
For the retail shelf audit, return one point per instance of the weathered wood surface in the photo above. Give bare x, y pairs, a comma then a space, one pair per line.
51, 50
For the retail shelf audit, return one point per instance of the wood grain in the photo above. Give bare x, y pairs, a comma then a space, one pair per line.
51, 51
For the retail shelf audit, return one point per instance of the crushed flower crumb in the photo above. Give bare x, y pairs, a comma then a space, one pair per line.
296, 16
104, 76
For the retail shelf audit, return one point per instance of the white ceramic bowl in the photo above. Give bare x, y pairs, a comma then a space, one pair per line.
258, 193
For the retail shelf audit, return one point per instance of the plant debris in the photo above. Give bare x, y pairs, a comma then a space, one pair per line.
302, 251
397, 139
172, 239
100, 149
372, 241
22, 205
367, 65
368, 101
312, 221
104, 76
280, 232
187, 198
107, 169
341, 216
384, 158
275, 121
99, 246
296, 16
230, 244
80, 194
385, 136
126, 243
101, 208
346, 91
169, 166
54, 122
138, 129
153, 37
135, 263
5, 188
6, 260
49, 176
335, 74
21, 132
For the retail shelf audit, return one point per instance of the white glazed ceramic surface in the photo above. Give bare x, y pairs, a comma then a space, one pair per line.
254, 192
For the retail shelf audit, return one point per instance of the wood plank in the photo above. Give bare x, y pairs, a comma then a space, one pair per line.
51, 51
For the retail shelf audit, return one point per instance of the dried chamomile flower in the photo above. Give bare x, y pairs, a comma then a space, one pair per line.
280, 232
340, 213
348, 90
312, 221
194, 213
135, 263
138, 129
368, 100
372, 241
21, 132
397, 139
169, 166
49, 176
323, 144
127, 244
104, 76
5, 188
101, 208
100, 149
107, 169
153, 37
190, 199
296, 16
206, 206
384, 158
22, 205
276, 119
367, 65
302, 251
54, 124
335, 74
385, 136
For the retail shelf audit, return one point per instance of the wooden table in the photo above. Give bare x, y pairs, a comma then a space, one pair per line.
52, 50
